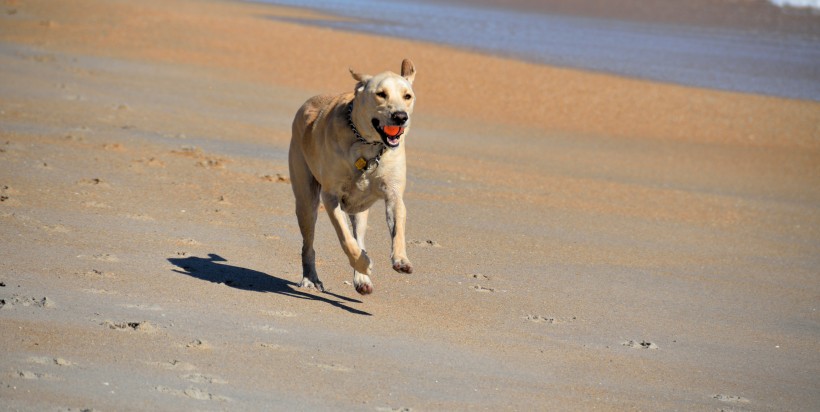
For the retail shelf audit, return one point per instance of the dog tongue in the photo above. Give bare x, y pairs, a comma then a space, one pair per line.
392, 131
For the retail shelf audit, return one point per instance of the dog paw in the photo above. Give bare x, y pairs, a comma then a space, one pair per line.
364, 289
402, 265
362, 284
314, 284
362, 264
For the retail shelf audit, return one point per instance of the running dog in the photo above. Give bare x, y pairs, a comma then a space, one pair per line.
348, 151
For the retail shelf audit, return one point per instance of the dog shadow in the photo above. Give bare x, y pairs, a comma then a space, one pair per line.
212, 269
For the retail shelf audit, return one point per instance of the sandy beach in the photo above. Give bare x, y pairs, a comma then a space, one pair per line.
580, 241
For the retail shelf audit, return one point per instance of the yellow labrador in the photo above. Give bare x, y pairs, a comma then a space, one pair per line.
348, 149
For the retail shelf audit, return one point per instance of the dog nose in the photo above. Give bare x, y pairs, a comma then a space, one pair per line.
399, 118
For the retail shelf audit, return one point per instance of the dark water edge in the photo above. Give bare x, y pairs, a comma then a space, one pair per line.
732, 59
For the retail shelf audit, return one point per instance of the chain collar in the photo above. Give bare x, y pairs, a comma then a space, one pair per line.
362, 164
356, 131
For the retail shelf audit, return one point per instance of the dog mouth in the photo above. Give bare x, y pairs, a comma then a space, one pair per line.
390, 134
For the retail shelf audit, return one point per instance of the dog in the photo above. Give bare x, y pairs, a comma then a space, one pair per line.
349, 151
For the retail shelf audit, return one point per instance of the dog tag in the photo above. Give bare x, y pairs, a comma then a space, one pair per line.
361, 163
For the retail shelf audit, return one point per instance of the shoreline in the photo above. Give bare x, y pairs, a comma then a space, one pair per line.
743, 47
754, 15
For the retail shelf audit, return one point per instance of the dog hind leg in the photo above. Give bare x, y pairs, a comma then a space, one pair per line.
306, 190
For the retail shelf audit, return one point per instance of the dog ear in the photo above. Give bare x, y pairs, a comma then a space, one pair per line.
361, 80
408, 71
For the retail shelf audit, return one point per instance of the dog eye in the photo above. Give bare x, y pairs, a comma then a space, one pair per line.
382, 94
407, 96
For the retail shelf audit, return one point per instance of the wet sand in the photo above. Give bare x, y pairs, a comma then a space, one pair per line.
580, 241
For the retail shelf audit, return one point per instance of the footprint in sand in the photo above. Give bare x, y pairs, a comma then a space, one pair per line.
547, 319
152, 308
97, 274
639, 345
424, 243
145, 326
105, 257
93, 182
479, 288
6, 193
208, 162
19, 300
199, 344
275, 347
279, 178
332, 367
29, 375
193, 393
730, 398
46, 360
176, 365
202, 378
541, 319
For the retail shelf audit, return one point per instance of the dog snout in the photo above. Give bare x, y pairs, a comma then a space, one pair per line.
399, 118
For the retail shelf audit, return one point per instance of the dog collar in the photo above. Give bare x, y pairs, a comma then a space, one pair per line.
359, 137
362, 164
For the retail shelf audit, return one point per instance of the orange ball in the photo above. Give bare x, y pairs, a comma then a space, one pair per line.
392, 130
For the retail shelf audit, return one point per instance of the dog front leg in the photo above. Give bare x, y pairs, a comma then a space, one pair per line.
356, 255
396, 216
359, 223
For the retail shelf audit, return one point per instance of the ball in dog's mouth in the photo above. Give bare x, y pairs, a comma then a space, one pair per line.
391, 135
392, 130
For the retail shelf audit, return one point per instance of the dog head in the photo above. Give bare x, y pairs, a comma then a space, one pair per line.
383, 104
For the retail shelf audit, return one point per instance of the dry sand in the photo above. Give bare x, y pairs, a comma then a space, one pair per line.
580, 241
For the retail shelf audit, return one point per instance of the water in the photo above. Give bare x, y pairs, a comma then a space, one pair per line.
725, 59
800, 4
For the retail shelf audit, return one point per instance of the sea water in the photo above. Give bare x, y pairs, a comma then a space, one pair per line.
717, 58
800, 4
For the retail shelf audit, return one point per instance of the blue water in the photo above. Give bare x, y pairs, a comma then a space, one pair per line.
725, 59
800, 4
